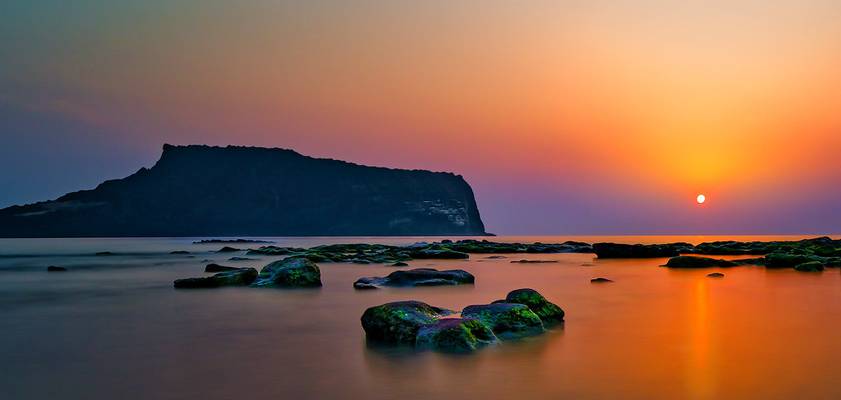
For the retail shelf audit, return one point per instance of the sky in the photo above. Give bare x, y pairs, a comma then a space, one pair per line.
566, 117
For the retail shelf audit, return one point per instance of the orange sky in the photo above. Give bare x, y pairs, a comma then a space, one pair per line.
608, 112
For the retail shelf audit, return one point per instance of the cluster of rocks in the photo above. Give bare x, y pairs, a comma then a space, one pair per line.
523, 312
289, 272
417, 277
447, 249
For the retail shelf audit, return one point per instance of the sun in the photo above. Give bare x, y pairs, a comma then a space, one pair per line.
701, 199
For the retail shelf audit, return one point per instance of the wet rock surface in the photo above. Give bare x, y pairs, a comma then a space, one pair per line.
237, 277
289, 272
417, 277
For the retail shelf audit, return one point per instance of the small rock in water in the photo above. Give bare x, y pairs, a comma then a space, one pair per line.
495, 257
715, 275
53, 268
400, 264
104, 253
228, 249
811, 266
237, 277
289, 272
600, 280
534, 261
179, 252
241, 259
417, 277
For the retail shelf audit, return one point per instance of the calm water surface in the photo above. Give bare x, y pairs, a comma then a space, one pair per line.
113, 327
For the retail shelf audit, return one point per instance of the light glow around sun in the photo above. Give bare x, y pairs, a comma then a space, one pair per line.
701, 199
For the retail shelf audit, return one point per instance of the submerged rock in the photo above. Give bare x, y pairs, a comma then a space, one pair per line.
289, 272
600, 280
399, 322
400, 264
506, 320
715, 275
618, 250
458, 335
179, 252
811, 266
697, 262
417, 277
534, 261
547, 311
237, 277
104, 253
53, 268
218, 268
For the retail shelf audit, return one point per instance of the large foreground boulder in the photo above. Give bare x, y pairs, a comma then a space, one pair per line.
698, 262
417, 277
458, 335
399, 322
506, 320
289, 272
618, 250
546, 310
237, 277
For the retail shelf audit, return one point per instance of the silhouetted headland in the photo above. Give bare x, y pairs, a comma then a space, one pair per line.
249, 191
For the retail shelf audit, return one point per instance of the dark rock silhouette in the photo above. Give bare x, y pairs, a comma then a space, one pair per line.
248, 191
417, 277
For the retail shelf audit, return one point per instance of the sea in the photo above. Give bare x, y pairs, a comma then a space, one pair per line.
113, 327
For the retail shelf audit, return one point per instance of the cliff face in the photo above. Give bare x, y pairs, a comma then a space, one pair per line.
238, 191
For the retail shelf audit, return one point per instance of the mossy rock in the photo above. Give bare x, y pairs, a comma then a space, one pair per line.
399, 322
432, 253
506, 320
455, 335
811, 266
784, 260
417, 277
237, 277
289, 272
546, 310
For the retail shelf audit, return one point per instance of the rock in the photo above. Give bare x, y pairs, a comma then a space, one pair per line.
399, 322
715, 275
750, 261
432, 253
600, 280
506, 320
237, 277
547, 311
104, 253
289, 272
241, 259
784, 260
228, 249
495, 257
179, 252
456, 335
417, 277
534, 261
222, 241
697, 262
617, 250
811, 266
53, 268
400, 264
218, 268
